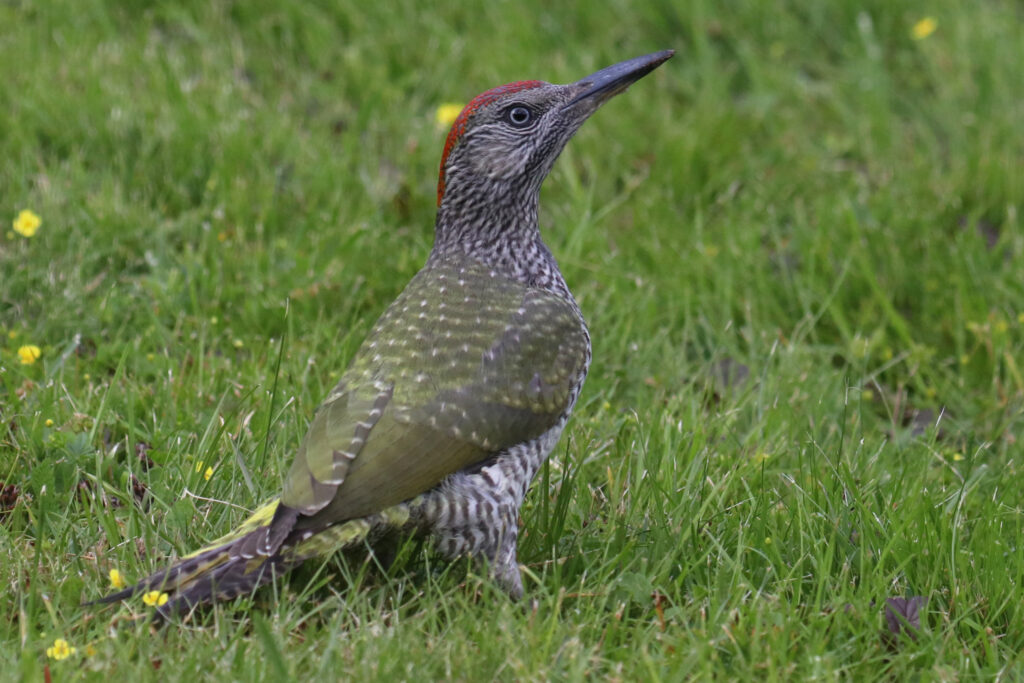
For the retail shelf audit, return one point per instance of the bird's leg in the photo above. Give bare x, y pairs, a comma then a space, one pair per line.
469, 522
476, 512
503, 564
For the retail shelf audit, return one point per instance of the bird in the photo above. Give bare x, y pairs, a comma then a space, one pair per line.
463, 386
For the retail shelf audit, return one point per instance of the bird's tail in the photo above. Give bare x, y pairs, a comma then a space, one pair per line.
263, 546
230, 566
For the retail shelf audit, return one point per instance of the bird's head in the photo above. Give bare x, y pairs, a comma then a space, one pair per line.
506, 140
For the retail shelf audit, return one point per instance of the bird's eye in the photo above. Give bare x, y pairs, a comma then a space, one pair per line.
519, 116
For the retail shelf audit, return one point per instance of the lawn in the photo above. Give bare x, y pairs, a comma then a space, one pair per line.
798, 246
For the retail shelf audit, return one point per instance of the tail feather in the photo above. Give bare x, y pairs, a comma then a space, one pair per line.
177, 576
225, 582
262, 547
233, 564
262, 518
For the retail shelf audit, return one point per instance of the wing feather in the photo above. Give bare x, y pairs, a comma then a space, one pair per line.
466, 362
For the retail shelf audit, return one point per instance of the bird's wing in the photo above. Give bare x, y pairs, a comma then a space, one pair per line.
466, 362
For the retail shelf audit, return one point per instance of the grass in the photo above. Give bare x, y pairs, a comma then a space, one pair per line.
798, 246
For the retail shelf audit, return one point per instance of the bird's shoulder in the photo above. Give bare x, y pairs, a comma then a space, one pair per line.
460, 322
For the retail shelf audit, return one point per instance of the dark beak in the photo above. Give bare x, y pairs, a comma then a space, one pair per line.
599, 87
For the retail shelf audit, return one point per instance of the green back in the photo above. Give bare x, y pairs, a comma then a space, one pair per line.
464, 363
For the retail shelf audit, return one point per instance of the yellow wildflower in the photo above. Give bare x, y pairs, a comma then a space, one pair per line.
208, 473
49, 422
116, 580
155, 598
27, 223
90, 651
958, 456
60, 650
447, 113
238, 343
29, 354
761, 457
924, 28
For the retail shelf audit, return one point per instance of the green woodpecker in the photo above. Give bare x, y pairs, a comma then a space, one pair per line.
464, 385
